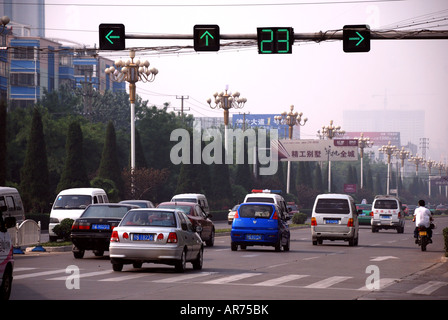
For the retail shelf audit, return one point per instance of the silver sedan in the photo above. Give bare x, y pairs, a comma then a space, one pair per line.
157, 236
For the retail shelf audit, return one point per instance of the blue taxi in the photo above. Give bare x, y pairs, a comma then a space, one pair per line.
260, 224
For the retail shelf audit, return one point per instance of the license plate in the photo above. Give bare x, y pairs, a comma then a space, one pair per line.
100, 227
142, 237
385, 217
331, 221
422, 233
253, 237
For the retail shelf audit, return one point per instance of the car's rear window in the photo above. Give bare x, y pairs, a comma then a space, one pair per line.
337, 206
260, 199
184, 209
386, 204
255, 211
149, 218
105, 212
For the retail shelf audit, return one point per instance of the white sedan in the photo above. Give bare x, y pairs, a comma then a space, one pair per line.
157, 236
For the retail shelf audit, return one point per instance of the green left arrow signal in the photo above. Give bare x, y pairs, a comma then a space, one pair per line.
360, 38
206, 34
109, 37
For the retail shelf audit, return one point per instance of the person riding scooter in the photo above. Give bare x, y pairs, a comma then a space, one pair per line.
422, 218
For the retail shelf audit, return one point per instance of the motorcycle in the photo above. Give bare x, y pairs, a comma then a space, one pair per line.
423, 239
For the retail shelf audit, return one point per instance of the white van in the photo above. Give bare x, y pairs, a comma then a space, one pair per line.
268, 196
6, 252
193, 197
14, 207
71, 203
334, 217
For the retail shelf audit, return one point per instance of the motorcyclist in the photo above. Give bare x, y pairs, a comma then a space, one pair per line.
422, 218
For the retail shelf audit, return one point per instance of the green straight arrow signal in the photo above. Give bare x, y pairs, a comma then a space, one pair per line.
206, 34
360, 38
108, 37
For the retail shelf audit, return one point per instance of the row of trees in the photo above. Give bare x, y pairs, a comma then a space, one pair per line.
57, 145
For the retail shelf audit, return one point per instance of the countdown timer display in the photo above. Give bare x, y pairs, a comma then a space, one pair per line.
275, 40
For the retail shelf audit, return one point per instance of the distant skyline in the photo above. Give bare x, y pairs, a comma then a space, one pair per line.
319, 79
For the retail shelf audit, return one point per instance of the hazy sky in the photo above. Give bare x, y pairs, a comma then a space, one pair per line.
320, 80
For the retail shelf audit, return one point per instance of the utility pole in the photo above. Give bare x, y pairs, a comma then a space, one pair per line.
182, 105
424, 145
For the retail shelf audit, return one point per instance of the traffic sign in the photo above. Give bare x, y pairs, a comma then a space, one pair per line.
275, 40
356, 38
112, 36
206, 37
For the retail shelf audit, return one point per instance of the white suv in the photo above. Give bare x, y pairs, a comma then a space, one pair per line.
387, 213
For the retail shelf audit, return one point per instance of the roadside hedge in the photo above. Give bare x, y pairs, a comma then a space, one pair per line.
445, 237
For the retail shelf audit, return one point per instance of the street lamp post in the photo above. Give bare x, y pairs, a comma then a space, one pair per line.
226, 101
417, 161
330, 132
402, 155
429, 164
363, 142
132, 72
389, 150
290, 119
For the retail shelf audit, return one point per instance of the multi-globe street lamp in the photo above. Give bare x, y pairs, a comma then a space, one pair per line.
226, 101
389, 150
132, 72
429, 164
402, 154
290, 119
417, 161
363, 142
330, 132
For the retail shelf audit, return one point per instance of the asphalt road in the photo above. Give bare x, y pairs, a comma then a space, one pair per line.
329, 271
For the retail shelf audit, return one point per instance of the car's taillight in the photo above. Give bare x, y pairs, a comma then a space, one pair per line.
275, 216
350, 222
313, 221
80, 226
172, 237
236, 216
114, 237
371, 213
160, 237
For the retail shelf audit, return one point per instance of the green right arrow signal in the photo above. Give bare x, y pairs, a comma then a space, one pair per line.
360, 38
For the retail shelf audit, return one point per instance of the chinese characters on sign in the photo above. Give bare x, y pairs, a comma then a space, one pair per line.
316, 150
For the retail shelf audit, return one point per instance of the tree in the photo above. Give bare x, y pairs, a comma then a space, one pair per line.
74, 174
34, 176
109, 167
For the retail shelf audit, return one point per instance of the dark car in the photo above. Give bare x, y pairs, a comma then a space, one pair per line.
197, 216
92, 230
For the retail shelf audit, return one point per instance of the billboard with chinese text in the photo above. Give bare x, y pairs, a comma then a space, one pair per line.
316, 150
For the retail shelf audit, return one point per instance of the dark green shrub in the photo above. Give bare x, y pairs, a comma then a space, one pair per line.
299, 218
64, 228
445, 237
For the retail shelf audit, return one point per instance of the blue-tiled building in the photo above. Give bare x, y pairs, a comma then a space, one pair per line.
38, 64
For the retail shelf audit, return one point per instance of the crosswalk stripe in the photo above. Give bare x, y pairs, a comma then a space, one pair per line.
328, 282
37, 274
126, 277
280, 280
428, 288
384, 282
184, 277
232, 278
85, 275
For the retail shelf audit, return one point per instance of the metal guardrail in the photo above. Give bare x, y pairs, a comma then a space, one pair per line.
26, 234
